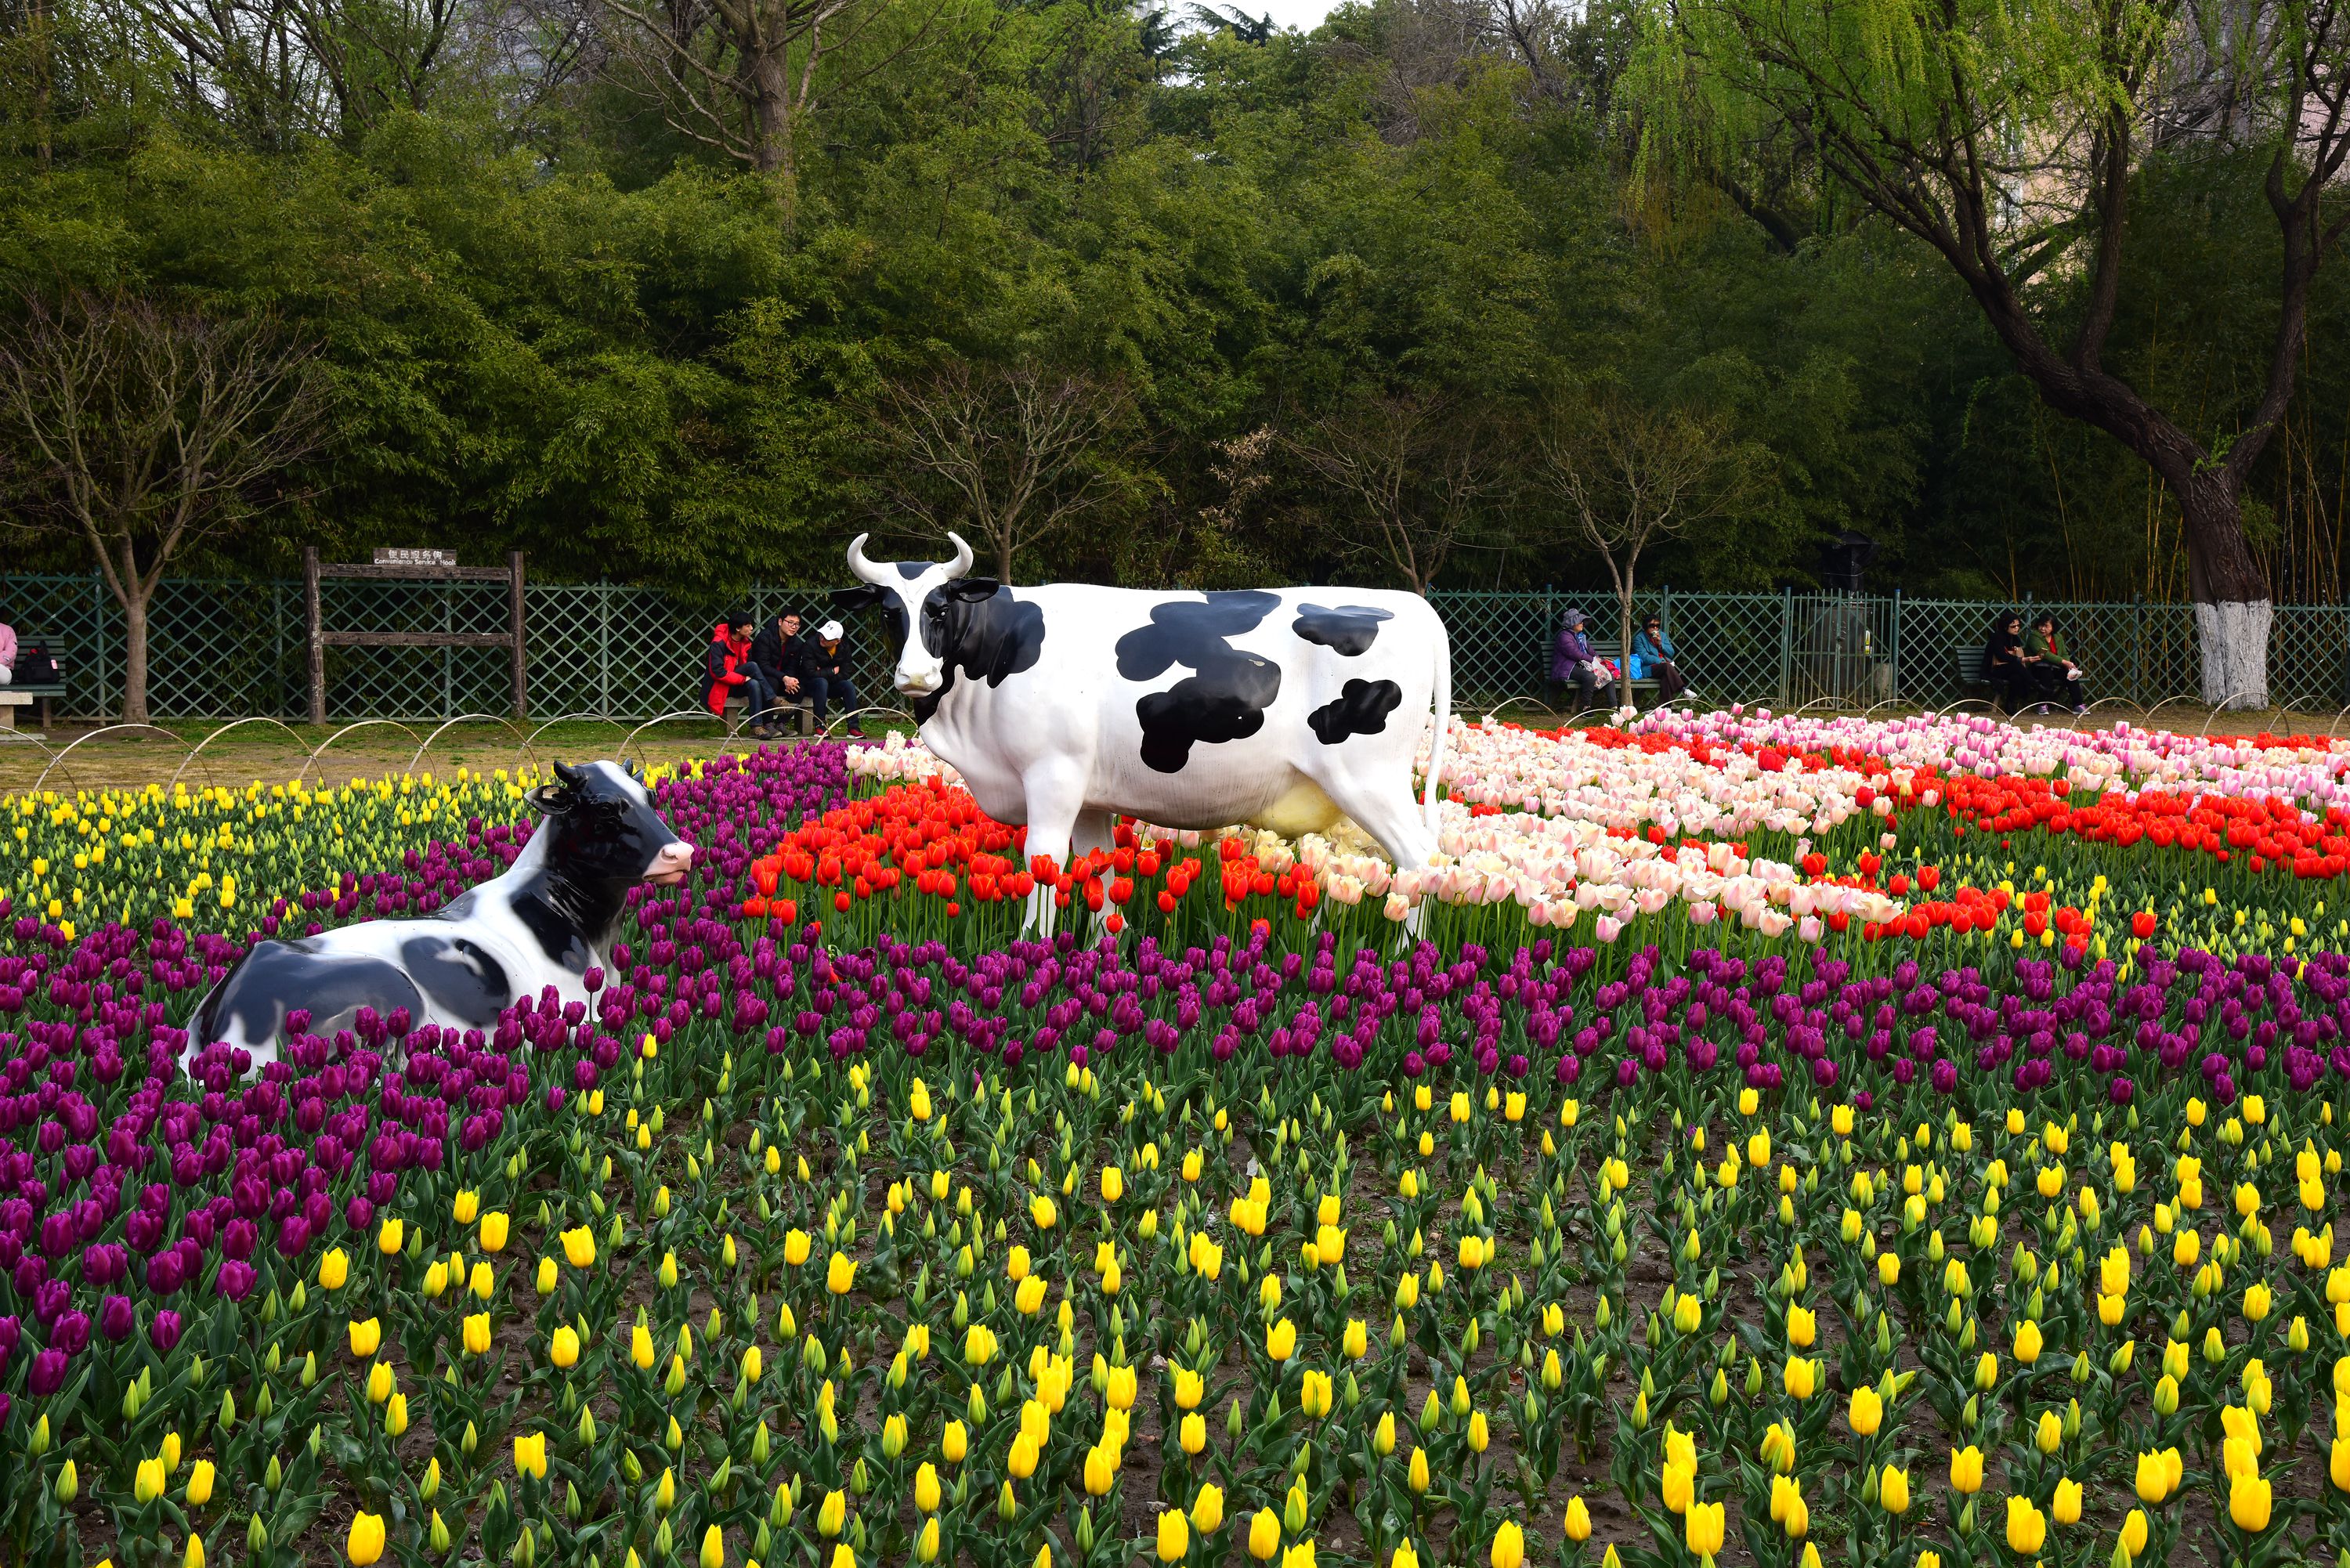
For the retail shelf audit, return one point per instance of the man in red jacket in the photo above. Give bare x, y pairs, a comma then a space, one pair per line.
727, 668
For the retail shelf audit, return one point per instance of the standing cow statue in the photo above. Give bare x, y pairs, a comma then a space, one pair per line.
545, 920
1066, 704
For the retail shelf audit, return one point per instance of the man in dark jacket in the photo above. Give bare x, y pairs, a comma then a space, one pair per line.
779, 652
829, 664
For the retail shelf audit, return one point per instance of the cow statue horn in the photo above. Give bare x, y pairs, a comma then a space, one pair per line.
961, 565
865, 570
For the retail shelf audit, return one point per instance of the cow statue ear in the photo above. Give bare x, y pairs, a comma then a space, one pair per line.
864, 597
552, 800
970, 590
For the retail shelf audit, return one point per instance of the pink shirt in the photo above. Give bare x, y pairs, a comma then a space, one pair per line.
7, 645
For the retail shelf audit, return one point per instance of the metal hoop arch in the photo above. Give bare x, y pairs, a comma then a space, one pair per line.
197, 749
426, 744
530, 741
703, 713
359, 724
78, 739
839, 719
2220, 708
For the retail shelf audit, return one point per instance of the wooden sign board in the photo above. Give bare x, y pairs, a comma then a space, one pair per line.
405, 556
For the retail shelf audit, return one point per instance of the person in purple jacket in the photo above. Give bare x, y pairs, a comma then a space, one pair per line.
1571, 663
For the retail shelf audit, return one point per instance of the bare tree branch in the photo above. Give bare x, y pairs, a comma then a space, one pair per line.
1013, 454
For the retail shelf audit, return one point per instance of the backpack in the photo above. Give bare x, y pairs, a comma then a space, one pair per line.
36, 666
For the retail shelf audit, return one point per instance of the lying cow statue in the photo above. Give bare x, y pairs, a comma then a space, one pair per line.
549, 918
1066, 704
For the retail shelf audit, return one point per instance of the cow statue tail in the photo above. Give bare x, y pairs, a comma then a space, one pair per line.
1442, 702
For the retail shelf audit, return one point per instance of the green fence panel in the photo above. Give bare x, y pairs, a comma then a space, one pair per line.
227, 648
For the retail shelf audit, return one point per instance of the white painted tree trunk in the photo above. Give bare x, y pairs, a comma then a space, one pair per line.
2235, 643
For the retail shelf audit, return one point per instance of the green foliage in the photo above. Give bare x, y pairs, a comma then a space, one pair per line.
553, 322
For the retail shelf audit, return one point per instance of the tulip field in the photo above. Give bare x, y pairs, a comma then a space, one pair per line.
1758, 1140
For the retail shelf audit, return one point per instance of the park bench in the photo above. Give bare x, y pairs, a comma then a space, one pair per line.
24, 694
1966, 663
1611, 651
801, 712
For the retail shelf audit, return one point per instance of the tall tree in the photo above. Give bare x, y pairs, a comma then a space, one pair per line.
2007, 137
149, 431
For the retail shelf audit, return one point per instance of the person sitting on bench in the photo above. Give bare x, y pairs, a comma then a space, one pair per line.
1572, 663
783, 654
7, 653
1653, 660
828, 661
728, 667
2052, 673
2003, 665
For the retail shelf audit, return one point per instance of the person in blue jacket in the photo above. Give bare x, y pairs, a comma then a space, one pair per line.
1653, 658
1573, 663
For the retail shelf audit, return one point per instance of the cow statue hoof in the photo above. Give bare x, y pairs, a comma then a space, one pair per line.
1068, 704
547, 919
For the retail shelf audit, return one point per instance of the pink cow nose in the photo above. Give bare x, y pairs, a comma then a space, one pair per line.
671, 862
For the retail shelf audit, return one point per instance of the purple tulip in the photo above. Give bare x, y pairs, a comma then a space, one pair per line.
48, 1374
236, 1280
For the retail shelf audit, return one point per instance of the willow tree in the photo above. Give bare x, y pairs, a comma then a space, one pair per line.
2005, 134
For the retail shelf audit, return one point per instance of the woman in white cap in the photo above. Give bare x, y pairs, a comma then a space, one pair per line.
828, 668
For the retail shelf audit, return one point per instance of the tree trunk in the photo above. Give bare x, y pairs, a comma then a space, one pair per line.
2229, 590
1623, 638
771, 148
134, 657
1003, 559
2232, 608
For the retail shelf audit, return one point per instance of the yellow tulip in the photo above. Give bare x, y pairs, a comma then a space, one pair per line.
714, 1548
477, 1333
1509, 1548
530, 1455
841, 1274
2066, 1507
2027, 1527
364, 1545
1579, 1520
1866, 1413
1208, 1509
1701, 1528
492, 1237
333, 1269
1281, 1340
2249, 1502
579, 1247
1893, 1490
1966, 1470
564, 1350
1174, 1530
365, 1337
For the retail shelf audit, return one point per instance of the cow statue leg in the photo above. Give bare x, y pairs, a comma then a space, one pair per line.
1056, 815
1390, 816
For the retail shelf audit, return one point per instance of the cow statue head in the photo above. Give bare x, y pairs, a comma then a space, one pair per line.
604, 836
916, 598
